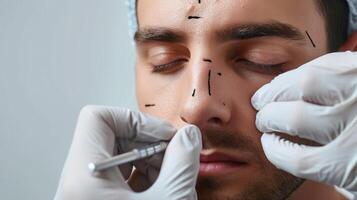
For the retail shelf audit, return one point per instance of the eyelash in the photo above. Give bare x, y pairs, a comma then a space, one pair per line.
257, 67
262, 68
168, 66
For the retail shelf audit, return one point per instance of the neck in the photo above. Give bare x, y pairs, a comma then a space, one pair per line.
312, 190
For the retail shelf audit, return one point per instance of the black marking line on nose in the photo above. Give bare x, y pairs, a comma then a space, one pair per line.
312, 41
150, 105
199, 1
183, 119
207, 60
194, 17
194, 92
209, 83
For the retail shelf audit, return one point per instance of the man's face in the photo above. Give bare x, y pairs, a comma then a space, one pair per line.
204, 71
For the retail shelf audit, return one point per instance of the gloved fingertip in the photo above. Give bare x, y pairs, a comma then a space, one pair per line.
254, 103
268, 137
258, 121
191, 136
266, 140
257, 98
264, 122
269, 143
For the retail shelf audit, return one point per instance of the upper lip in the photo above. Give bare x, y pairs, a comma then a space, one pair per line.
216, 156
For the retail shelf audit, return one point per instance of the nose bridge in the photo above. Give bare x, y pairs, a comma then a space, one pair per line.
204, 106
201, 69
201, 79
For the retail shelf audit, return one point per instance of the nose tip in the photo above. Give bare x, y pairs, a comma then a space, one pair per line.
206, 112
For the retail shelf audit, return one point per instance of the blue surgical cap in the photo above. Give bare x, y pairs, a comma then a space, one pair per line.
133, 23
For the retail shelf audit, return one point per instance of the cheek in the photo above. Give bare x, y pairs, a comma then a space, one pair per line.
158, 95
243, 113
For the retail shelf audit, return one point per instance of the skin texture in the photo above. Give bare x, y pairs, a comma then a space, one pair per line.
216, 95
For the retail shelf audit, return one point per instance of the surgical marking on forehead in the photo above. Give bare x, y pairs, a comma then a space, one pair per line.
149, 105
207, 60
312, 41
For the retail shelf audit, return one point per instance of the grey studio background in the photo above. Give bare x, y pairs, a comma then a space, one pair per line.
55, 57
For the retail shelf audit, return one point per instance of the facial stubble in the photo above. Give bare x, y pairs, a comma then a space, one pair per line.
271, 183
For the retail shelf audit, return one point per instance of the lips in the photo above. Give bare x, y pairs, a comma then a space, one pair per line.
213, 163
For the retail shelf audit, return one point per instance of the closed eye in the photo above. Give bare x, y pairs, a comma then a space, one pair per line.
271, 69
168, 67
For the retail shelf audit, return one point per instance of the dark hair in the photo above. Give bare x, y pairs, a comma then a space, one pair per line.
336, 14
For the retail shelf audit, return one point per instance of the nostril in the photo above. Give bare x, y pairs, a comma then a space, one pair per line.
215, 120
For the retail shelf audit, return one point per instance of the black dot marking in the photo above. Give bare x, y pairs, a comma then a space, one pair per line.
183, 119
194, 92
219, 74
207, 60
149, 105
312, 42
199, 1
209, 83
224, 104
194, 17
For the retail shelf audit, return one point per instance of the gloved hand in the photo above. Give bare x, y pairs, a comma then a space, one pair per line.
317, 101
103, 132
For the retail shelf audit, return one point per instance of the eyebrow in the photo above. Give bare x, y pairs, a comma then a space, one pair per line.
237, 32
159, 35
270, 29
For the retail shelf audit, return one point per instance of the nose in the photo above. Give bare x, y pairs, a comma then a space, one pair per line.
207, 106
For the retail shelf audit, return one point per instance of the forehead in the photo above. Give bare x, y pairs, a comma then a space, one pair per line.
216, 14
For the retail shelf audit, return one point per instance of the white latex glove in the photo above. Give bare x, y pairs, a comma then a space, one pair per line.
103, 132
317, 101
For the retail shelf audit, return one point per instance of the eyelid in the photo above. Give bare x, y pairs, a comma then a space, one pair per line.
275, 69
247, 61
166, 58
166, 50
161, 55
259, 56
168, 66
